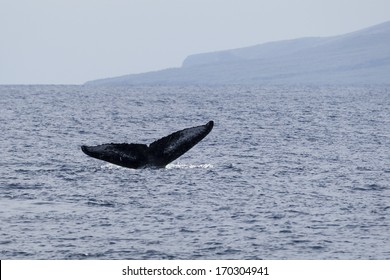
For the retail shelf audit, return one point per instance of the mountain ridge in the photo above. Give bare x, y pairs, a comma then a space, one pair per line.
359, 57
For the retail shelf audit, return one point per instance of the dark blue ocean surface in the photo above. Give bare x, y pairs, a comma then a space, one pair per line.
286, 173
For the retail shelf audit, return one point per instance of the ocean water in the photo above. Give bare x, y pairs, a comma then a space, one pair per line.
286, 173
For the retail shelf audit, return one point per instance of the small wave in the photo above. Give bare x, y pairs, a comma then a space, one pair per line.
110, 166
82, 256
104, 203
188, 166
371, 187
114, 167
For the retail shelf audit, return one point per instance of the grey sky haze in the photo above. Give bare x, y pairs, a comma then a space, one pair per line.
72, 41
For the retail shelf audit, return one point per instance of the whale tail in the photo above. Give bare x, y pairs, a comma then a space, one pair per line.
157, 154
171, 147
126, 155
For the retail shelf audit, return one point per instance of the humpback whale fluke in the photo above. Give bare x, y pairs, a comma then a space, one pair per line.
157, 154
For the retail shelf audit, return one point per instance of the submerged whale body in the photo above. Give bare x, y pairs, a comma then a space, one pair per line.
157, 154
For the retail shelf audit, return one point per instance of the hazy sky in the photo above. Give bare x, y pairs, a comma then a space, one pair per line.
72, 41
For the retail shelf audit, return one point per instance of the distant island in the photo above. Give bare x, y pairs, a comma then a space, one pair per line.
357, 58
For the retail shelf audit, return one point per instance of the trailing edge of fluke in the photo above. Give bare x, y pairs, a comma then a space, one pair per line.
158, 154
